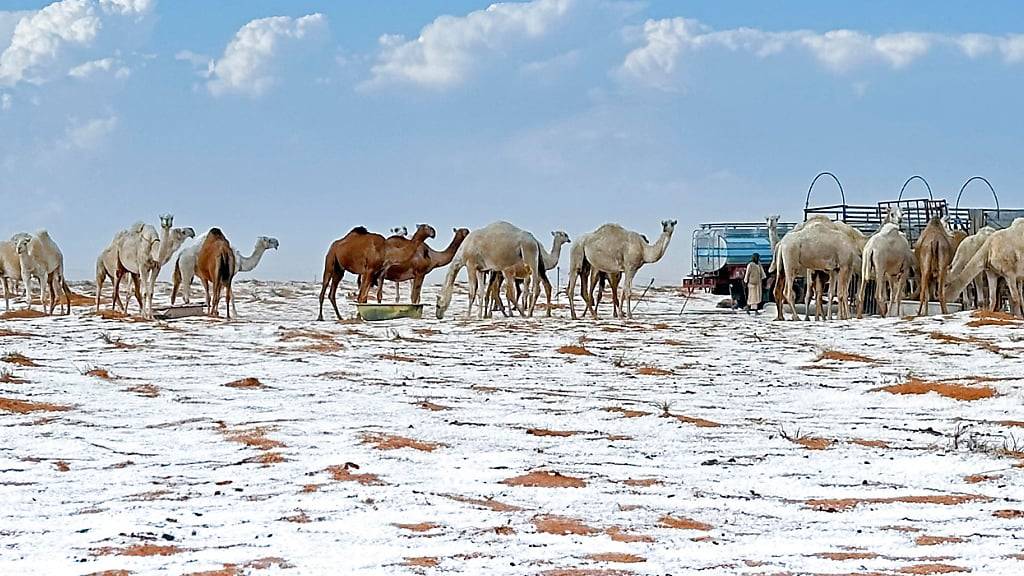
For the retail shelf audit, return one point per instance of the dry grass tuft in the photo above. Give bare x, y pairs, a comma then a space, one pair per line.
870, 443
426, 405
323, 342
138, 550
545, 432
845, 504
299, 518
147, 390
698, 422
18, 359
840, 556
617, 557
626, 413
422, 561
100, 373
843, 357
936, 540
25, 406
684, 523
396, 358
1009, 514
389, 442
954, 391
575, 350
8, 377
561, 525
484, 503
617, 535
652, 371
341, 473
253, 437
932, 569
642, 482
61, 466
22, 314
420, 527
979, 478
545, 479
246, 383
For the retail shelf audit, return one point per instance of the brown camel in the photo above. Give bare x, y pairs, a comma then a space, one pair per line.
399, 254
216, 265
359, 252
423, 262
934, 252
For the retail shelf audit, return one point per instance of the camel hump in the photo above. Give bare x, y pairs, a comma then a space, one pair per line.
215, 233
359, 230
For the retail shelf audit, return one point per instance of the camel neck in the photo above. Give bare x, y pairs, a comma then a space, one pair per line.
654, 252
247, 263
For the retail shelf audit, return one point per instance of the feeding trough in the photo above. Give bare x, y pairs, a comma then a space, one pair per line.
180, 311
374, 312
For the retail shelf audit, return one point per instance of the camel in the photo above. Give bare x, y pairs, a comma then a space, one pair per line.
106, 267
962, 255
613, 249
216, 265
404, 233
399, 252
40, 257
550, 260
422, 263
591, 280
817, 245
499, 247
887, 254
10, 268
934, 253
359, 252
1000, 255
141, 252
185, 265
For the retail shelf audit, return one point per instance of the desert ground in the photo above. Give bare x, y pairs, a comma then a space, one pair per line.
706, 442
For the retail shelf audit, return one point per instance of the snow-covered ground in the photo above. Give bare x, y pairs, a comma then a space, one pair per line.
705, 442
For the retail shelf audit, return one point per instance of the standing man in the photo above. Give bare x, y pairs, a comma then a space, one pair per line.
754, 279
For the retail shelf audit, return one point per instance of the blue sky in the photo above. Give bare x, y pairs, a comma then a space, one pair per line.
302, 119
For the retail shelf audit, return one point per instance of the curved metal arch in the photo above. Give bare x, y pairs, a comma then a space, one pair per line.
987, 183
807, 202
917, 177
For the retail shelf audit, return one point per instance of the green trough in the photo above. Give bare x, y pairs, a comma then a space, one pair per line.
375, 312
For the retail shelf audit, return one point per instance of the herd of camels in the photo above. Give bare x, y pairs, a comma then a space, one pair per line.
942, 261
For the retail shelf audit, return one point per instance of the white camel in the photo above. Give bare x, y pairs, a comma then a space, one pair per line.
889, 260
10, 269
144, 252
613, 249
41, 258
106, 267
964, 252
1000, 255
550, 260
185, 265
818, 246
500, 247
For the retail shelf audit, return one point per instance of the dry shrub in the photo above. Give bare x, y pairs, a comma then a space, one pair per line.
840, 556
422, 561
25, 406
246, 383
950, 339
61, 466
147, 390
420, 527
936, 540
617, 557
626, 413
319, 341
575, 350
396, 358
341, 473
979, 478
932, 569
138, 550
426, 405
982, 322
642, 482
870, 443
5, 333
18, 359
617, 535
110, 573
545, 432
813, 443
545, 479
310, 488
1009, 514
843, 357
955, 391
992, 315
653, 371
253, 437
698, 422
844, 504
389, 442
684, 523
299, 518
484, 503
267, 458
585, 572
100, 373
561, 525
8, 377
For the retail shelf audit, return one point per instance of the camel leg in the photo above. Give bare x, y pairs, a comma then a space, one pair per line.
398, 292
993, 291
627, 294
323, 291
101, 277
569, 293
118, 276
861, 290
924, 290
365, 283
473, 277
206, 292
1015, 297
7, 296
510, 293
336, 279
228, 301
881, 298
417, 286
942, 289
137, 282
535, 282
613, 282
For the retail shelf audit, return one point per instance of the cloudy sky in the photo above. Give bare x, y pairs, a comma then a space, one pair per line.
301, 119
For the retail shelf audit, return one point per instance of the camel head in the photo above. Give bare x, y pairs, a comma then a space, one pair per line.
442, 305
166, 221
773, 221
894, 215
425, 231
178, 235
460, 233
561, 237
21, 242
668, 226
267, 242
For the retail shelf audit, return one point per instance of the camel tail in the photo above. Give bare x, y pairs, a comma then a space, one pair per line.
176, 279
224, 266
974, 267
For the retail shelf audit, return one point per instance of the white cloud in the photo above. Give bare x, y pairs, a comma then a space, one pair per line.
104, 65
41, 38
664, 42
6, 101
447, 48
89, 135
245, 67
